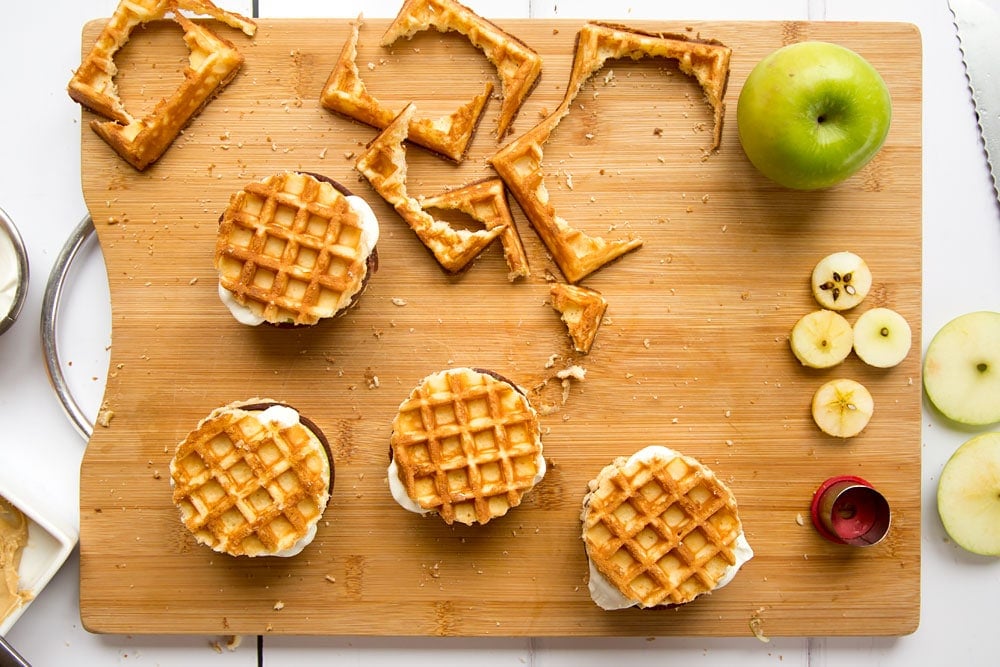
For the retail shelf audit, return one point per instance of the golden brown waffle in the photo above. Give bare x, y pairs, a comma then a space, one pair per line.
486, 201
249, 486
466, 445
213, 62
345, 92
582, 310
517, 64
291, 249
661, 527
384, 165
519, 163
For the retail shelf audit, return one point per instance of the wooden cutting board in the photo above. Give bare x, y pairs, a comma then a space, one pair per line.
693, 353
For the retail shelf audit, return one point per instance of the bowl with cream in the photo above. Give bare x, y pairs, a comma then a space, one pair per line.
13, 272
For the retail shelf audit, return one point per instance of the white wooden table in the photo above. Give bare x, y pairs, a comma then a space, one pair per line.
40, 189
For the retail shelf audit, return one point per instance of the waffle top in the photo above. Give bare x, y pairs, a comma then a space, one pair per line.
662, 529
252, 479
294, 248
465, 444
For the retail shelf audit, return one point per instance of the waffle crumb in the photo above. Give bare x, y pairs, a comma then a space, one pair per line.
757, 626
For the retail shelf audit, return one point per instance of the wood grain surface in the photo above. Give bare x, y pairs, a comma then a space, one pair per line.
693, 353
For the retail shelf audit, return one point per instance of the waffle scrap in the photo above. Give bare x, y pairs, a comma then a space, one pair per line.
292, 249
661, 527
519, 163
486, 201
517, 64
213, 62
582, 310
384, 165
467, 445
345, 92
248, 486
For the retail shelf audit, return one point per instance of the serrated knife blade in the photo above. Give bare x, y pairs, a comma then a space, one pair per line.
978, 25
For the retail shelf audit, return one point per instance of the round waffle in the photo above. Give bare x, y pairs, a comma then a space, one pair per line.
293, 249
253, 479
466, 445
660, 529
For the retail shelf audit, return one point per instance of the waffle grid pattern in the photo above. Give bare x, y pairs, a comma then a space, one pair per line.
466, 445
247, 487
290, 249
664, 533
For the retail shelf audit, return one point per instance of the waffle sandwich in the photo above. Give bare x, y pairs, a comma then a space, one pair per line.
384, 165
213, 63
466, 445
520, 163
294, 248
660, 529
253, 479
581, 310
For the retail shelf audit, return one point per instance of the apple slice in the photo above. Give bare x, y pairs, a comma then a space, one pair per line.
882, 337
842, 408
841, 280
821, 339
962, 369
968, 495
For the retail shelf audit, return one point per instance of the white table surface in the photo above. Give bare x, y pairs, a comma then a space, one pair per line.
40, 189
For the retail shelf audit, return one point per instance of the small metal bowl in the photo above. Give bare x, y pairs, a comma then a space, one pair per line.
8, 229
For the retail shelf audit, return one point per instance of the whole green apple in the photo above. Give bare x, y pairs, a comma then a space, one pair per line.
811, 114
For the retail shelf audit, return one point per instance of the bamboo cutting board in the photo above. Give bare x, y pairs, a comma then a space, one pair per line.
693, 353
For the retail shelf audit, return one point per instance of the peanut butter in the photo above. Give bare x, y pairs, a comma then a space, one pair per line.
13, 538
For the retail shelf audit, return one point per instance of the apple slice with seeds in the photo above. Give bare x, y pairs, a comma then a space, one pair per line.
962, 369
841, 280
968, 495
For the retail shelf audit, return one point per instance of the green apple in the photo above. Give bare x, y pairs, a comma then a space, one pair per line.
962, 369
968, 495
812, 114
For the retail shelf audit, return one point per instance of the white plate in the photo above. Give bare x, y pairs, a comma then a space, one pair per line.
47, 549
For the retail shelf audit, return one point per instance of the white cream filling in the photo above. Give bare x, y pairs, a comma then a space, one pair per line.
369, 237
10, 273
607, 596
280, 415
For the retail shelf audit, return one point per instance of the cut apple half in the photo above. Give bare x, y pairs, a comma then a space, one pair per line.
962, 369
968, 495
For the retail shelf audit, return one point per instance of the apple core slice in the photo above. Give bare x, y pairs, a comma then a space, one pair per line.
842, 407
968, 495
882, 337
821, 339
962, 369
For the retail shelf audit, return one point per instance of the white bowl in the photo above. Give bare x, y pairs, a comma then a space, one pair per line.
47, 549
